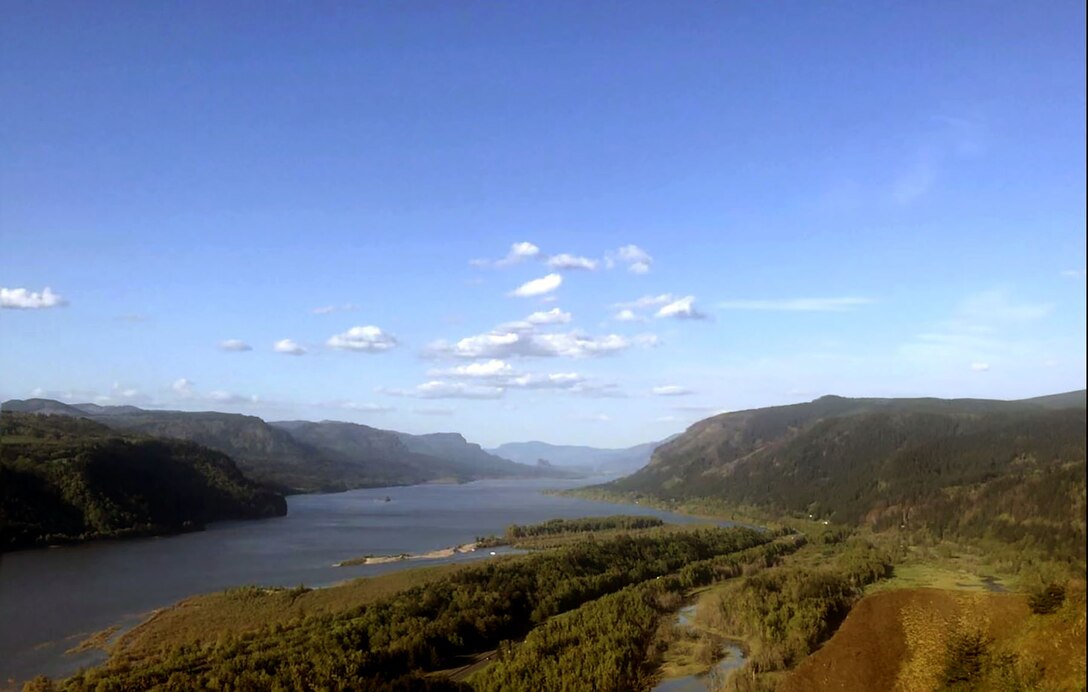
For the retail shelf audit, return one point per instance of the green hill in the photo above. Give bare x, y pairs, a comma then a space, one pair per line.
1011, 472
302, 456
65, 479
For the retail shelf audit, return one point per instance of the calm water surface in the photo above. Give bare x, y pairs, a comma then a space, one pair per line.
51, 599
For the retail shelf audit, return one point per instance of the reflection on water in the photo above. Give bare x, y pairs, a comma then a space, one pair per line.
712, 679
51, 599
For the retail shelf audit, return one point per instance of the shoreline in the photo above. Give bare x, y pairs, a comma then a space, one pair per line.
431, 555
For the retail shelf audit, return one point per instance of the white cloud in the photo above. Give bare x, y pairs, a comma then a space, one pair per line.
841, 304
576, 345
538, 287
684, 309
638, 261
234, 345
289, 347
671, 390
553, 316
22, 299
441, 389
487, 369
182, 386
565, 261
558, 380
520, 339
980, 367
628, 315
370, 339
1073, 273
519, 252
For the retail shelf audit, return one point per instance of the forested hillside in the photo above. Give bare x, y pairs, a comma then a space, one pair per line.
1011, 472
68, 479
302, 456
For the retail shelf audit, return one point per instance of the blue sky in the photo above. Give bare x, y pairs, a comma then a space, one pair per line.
706, 206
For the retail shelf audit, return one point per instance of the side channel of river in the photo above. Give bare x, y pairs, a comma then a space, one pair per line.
52, 599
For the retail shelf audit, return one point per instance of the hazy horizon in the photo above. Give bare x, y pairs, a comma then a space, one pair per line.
588, 224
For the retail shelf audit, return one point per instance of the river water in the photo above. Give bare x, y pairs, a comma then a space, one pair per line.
53, 598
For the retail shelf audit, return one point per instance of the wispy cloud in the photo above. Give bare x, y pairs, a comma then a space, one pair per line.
442, 389
986, 328
365, 339
288, 347
538, 287
670, 390
235, 345
839, 304
329, 309
567, 262
185, 389
23, 299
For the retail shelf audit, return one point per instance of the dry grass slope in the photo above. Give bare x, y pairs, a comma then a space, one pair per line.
900, 639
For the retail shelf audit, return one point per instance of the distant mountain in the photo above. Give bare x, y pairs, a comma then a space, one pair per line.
577, 457
47, 407
302, 456
469, 458
1077, 399
1006, 470
263, 452
65, 479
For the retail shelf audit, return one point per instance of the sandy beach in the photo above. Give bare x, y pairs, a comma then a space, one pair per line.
432, 555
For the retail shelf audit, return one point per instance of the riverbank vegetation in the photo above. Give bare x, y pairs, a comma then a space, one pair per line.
396, 640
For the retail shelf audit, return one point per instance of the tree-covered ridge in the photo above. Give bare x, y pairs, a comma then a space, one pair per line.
389, 643
66, 479
303, 456
1011, 472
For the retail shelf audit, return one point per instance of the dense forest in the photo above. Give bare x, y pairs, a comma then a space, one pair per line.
1008, 473
66, 479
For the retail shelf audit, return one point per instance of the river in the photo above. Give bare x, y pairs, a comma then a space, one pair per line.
53, 598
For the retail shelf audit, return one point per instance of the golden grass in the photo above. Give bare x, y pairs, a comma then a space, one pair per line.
898, 640
208, 617
916, 575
